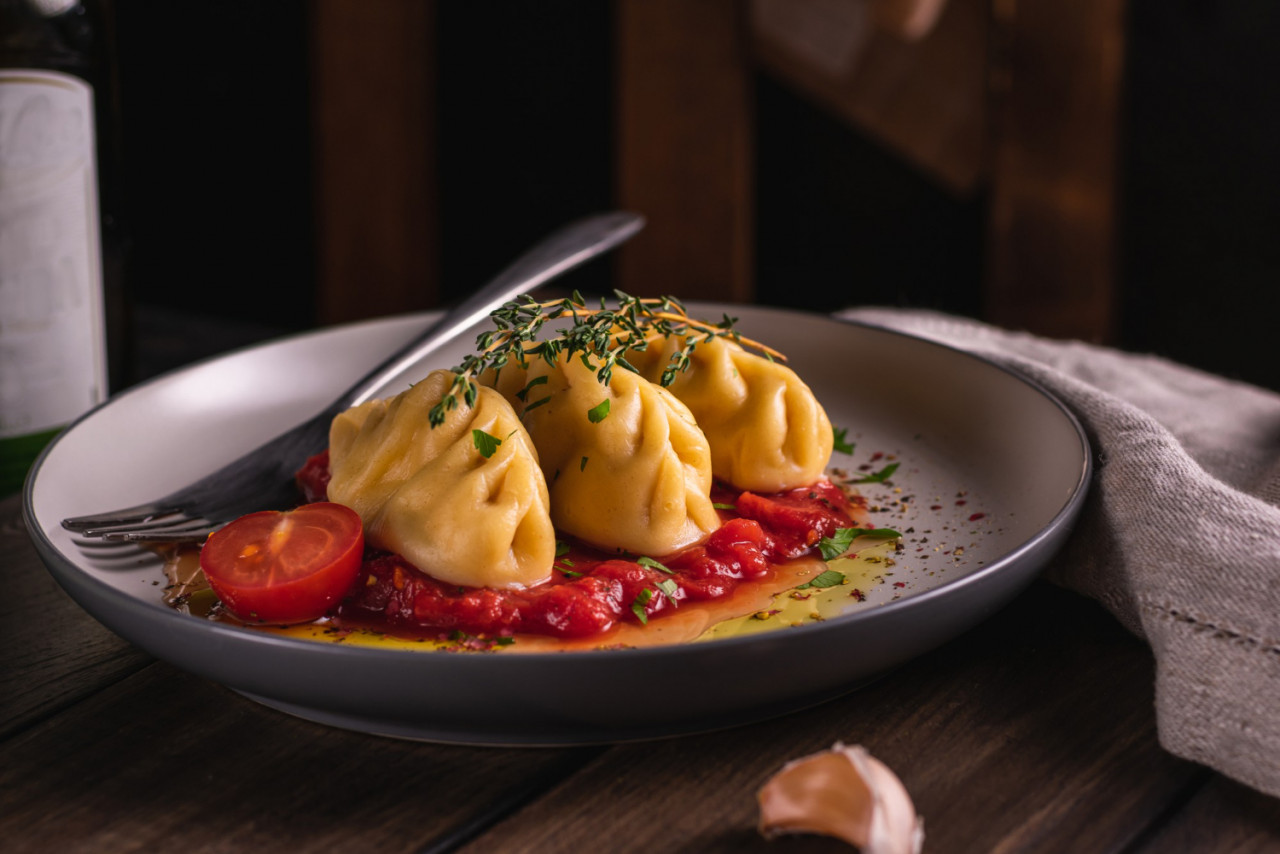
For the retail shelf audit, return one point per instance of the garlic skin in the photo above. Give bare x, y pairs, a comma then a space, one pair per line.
843, 792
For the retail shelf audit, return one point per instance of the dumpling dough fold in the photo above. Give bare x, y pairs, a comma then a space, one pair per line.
638, 480
429, 495
766, 428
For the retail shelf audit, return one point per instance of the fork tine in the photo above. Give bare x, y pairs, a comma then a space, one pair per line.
165, 535
173, 521
140, 513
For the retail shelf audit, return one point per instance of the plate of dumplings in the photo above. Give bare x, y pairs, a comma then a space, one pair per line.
988, 472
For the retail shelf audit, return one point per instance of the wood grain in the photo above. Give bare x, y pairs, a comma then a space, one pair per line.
52, 653
1223, 816
1033, 733
373, 102
1055, 86
925, 100
164, 761
684, 148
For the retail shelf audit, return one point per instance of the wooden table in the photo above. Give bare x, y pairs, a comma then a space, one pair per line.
1034, 732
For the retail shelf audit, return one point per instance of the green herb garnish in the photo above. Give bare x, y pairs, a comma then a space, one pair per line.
827, 578
652, 564
485, 443
838, 543
839, 444
669, 589
599, 412
880, 476
637, 606
529, 386
725, 506
600, 337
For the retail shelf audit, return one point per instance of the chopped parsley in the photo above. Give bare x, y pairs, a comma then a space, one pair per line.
828, 578
839, 444
485, 443
880, 476
838, 543
599, 412
644, 597
652, 564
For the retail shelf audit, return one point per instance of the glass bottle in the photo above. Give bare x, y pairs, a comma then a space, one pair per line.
53, 226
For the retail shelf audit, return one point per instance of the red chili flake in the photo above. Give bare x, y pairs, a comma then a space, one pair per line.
878, 455
935, 506
961, 503
859, 595
899, 584
976, 516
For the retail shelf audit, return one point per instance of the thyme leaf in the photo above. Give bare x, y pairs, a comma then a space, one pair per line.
600, 337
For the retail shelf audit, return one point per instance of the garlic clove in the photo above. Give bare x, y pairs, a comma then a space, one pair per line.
843, 792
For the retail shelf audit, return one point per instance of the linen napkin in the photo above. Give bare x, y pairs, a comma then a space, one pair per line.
1180, 534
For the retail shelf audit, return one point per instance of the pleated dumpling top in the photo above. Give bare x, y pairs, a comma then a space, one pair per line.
431, 495
766, 429
626, 465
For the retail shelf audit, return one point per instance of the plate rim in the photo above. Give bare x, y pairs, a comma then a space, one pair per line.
1062, 519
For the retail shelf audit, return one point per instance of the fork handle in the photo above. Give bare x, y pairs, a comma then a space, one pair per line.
560, 252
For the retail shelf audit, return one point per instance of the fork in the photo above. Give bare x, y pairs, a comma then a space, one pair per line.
263, 479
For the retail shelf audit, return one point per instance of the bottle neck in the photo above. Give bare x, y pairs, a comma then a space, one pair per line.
57, 36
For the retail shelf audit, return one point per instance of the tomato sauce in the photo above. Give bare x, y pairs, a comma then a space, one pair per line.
590, 592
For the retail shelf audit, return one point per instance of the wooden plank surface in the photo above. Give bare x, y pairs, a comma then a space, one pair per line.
51, 654
164, 761
684, 148
1222, 816
1033, 732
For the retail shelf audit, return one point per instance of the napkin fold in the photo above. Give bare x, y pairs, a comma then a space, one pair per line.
1180, 535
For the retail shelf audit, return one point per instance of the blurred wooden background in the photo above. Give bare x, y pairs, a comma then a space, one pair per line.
1097, 169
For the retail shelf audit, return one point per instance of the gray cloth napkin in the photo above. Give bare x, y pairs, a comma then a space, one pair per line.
1180, 535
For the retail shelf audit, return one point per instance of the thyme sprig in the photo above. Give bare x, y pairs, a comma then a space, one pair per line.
600, 337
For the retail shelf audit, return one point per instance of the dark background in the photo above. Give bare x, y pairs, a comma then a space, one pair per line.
215, 110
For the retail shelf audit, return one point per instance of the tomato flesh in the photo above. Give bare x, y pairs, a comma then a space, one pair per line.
285, 567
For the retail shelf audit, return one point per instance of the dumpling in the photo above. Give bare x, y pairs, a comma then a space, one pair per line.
637, 479
767, 430
429, 495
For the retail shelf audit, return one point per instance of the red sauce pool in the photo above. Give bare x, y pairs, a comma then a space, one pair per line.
591, 592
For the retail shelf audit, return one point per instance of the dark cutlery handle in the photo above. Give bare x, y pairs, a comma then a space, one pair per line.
563, 250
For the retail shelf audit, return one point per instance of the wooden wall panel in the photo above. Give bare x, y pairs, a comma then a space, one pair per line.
924, 97
684, 147
1056, 88
374, 111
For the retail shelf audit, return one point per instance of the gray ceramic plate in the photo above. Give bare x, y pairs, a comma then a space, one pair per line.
993, 469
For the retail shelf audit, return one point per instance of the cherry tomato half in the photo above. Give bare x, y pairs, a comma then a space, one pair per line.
285, 567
